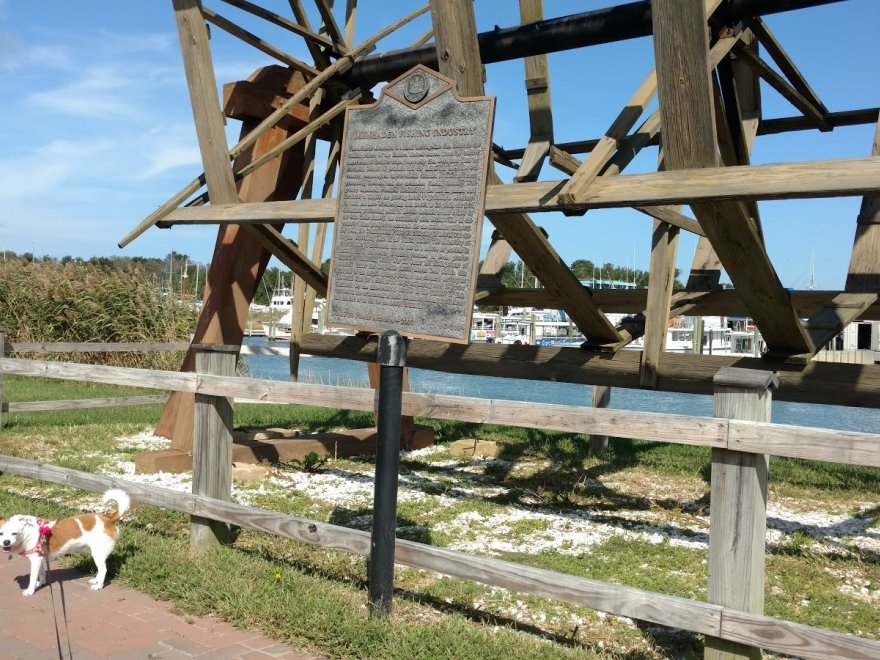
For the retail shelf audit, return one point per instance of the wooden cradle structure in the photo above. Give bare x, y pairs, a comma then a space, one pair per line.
709, 59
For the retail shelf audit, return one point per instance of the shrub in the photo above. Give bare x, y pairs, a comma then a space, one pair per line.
80, 302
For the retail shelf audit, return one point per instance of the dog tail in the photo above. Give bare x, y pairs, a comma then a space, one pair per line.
123, 501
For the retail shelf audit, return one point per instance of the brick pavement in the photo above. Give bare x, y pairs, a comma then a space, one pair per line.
115, 622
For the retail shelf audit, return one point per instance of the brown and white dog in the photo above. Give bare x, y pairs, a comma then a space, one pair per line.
35, 538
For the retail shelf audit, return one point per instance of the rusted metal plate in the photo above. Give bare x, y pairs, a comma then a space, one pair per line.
407, 231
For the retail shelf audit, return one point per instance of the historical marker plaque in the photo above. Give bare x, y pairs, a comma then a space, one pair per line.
407, 229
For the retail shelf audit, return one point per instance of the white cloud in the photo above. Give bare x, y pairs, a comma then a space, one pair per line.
168, 154
96, 94
46, 168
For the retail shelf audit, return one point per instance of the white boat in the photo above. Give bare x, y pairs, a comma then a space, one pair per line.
282, 328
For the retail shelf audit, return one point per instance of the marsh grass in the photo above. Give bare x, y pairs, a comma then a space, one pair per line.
315, 598
53, 302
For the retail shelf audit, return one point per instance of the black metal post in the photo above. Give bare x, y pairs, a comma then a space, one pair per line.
391, 357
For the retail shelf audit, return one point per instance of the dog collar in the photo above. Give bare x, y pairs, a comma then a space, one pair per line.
42, 542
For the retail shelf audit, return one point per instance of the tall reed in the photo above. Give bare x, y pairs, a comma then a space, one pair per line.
78, 302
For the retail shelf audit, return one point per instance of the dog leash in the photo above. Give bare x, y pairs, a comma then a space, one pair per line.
43, 549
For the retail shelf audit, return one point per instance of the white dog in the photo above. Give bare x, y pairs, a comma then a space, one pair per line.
35, 539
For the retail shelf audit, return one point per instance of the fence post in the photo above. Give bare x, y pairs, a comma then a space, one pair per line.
212, 444
738, 509
2, 355
601, 399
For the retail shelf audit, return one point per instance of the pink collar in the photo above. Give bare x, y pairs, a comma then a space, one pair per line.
43, 542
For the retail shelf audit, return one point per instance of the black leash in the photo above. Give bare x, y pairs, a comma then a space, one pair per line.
55, 614
44, 551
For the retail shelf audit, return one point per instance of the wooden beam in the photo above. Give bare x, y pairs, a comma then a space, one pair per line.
458, 53
738, 509
533, 159
810, 382
203, 95
707, 302
248, 141
535, 250
538, 94
772, 126
668, 214
863, 276
260, 44
607, 146
330, 25
782, 86
609, 143
283, 22
496, 259
804, 180
288, 253
661, 278
681, 48
784, 62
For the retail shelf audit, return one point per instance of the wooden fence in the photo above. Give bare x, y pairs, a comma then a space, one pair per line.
739, 435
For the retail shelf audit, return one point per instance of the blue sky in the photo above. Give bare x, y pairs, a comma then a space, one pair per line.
97, 129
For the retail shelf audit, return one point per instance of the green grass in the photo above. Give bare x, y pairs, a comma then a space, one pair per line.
315, 598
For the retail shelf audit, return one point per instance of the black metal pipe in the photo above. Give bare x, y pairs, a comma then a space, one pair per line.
591, 28
391, 357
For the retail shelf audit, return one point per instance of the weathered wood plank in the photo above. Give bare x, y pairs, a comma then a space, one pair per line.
863, 274
812, 382
281, 21
803, 180
96, 347
497, 257
782, 86
204, 97
668, 214
537, 83
252, 136
738, 508
686, 107
785, 63
81, 404
212, 445
600, 397
330, 24
794, 639
257, 42
832, 446
664, 247
803, 442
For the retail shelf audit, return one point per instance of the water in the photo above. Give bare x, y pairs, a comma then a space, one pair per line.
352, 373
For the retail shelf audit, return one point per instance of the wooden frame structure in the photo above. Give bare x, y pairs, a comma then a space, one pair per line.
706, 129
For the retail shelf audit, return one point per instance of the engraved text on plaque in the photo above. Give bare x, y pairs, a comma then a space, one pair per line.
410, 211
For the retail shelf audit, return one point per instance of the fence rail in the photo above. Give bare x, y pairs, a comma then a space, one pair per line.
828, 445
697, 616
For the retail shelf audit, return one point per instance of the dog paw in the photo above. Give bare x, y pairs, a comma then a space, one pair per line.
96, 586
27, 592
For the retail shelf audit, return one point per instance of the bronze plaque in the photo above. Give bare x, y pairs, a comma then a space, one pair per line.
407, 232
